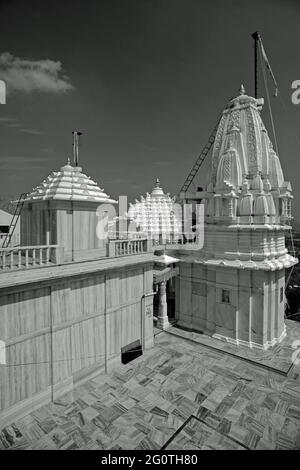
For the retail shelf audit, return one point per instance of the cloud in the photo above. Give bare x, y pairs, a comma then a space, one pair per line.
13, 123
7, 119
32, 131
33, 75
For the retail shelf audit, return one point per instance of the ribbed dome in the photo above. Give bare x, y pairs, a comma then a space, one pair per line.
156, 212
276, 175
260, 205
245, 205
256, 183
271, 204
69, 183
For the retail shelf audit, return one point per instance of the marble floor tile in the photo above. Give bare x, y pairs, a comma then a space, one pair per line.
222, 402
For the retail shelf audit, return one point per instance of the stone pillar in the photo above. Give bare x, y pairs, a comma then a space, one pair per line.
162, 318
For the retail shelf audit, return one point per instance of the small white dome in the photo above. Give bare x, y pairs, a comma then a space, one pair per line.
156, 213
276, 175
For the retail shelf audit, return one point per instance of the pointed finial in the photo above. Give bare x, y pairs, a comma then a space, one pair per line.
68, 161
157, 183
242, 90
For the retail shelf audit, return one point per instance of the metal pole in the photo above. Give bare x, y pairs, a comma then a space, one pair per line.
256, 38
76, 135
51, 344
74, 147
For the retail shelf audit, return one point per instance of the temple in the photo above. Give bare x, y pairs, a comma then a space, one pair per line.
72, 302
155, 215
234, 287
64, 210
78, 303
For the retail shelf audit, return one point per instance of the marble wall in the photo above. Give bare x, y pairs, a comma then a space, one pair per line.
243, 306
60, 332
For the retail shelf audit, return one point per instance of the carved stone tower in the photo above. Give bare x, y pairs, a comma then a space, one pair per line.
237, 281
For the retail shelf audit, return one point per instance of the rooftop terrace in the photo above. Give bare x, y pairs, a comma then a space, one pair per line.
182, 394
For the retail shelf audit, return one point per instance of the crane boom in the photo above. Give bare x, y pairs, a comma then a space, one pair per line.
189, 179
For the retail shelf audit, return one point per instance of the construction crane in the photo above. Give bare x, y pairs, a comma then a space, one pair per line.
193, 172
14, 220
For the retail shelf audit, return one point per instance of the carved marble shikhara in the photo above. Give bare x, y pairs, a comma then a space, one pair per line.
234, 287
156, 215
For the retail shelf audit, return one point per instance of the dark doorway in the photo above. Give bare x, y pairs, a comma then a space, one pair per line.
171, 298
131, 351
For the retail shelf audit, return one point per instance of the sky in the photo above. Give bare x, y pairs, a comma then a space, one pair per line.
144, 80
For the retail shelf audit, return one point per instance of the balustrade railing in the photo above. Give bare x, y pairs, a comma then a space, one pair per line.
25, 256
127, 247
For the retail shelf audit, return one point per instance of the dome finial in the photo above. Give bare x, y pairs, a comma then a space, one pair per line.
157, 190
68, 161
242, 90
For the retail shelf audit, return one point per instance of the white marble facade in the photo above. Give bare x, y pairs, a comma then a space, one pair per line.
234, 288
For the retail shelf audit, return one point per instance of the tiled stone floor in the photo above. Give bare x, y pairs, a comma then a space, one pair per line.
278, 358
179, 395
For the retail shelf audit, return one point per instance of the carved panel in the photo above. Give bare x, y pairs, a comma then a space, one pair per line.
227, 169
234, 119
217, 147
251, 139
